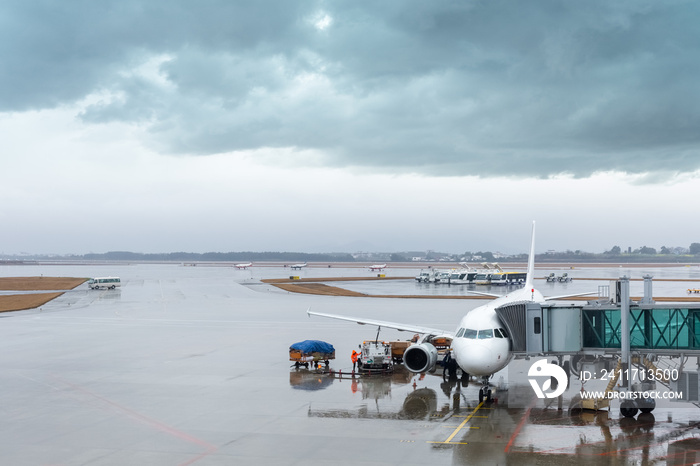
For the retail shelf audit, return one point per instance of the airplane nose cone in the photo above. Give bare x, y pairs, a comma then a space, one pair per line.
476, 359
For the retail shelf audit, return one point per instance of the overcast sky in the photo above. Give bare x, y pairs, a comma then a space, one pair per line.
318, 126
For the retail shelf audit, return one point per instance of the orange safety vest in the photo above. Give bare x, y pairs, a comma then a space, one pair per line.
354, 356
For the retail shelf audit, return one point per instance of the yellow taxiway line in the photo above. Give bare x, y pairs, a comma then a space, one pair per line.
460, 427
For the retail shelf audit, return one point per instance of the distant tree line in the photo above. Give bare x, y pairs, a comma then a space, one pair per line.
615, 254
641, 254
693, 250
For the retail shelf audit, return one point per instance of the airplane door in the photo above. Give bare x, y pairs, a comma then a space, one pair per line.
535, 328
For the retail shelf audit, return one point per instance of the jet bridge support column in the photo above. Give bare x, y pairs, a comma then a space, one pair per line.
625, 330
648, 296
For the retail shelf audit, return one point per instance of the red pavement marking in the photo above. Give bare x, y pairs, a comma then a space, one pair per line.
151, 422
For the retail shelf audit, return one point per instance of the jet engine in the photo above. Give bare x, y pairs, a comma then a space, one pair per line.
420, 358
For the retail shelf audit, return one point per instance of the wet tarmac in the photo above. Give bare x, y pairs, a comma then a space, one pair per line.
189, 366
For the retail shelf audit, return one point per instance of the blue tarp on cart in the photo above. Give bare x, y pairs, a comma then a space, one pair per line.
313, 346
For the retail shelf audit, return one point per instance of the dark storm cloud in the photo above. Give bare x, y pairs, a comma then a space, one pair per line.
445, 88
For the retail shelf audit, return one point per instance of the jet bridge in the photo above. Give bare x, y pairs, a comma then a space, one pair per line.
537, 329
614, 333
543, 328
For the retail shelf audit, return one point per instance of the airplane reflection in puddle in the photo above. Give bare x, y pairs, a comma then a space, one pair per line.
419, 402
495, 433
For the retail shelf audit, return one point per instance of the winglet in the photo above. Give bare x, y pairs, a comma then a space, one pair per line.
308, 312
531, 262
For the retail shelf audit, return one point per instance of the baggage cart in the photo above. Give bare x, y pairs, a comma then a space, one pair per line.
311, 353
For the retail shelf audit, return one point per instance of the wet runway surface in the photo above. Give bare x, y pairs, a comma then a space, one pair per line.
189, 365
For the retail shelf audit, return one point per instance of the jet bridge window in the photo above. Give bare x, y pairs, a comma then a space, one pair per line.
469, 333
485, 334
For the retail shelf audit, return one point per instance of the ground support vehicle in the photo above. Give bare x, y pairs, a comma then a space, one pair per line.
398, 348
104, 282
375, 357
311, 353
430, 276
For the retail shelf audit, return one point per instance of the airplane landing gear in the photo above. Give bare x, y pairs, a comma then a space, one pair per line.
465, 379
629, 408
485, 391
647, 405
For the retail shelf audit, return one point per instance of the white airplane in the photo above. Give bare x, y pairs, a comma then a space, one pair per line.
377, 267
480, 345
298, 266
243, 266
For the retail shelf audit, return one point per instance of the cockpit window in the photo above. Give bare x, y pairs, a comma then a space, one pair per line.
503, 331
460, 333
469, 333
484, 334
497, 333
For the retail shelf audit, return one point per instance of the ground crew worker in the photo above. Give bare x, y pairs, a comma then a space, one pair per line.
354, 356
449, 365
445, 363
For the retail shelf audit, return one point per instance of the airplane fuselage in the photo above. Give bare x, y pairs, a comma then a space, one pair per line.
481, 345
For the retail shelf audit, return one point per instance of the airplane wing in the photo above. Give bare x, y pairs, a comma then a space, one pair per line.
552, 298
381, 323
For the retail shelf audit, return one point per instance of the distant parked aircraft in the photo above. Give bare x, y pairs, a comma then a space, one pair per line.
298, 266
243, 266
376, 267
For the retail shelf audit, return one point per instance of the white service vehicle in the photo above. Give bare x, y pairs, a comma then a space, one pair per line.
375, 357
104, 282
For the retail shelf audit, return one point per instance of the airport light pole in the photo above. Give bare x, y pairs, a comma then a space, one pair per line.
625, 330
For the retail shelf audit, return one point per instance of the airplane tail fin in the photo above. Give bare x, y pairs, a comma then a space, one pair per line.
531, 262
